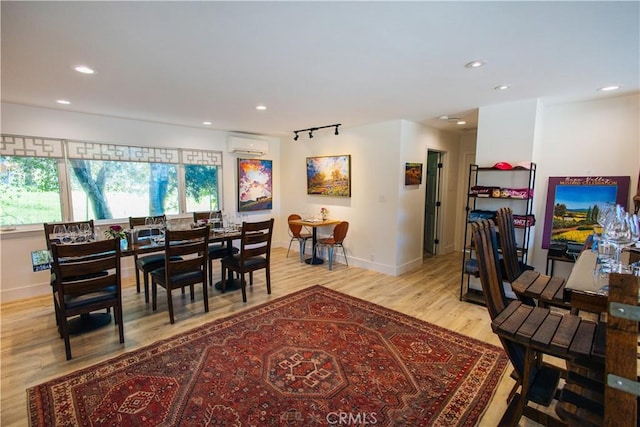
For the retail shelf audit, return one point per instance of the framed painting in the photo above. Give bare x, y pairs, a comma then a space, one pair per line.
255, 185
573, 204
329, 176
413, 174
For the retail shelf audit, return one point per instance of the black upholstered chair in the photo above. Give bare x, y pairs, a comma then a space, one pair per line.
255, 254
186, 263
87, 278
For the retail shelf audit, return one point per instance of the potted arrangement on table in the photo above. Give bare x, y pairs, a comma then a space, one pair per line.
324, 213
114, 232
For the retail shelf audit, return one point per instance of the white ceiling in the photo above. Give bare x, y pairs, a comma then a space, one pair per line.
313, 63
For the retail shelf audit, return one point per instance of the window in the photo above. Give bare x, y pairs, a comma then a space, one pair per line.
201, 188
29, 190
108, 189
102, 181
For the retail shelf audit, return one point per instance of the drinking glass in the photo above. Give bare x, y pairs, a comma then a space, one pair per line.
85, 232
59, 231
74, 233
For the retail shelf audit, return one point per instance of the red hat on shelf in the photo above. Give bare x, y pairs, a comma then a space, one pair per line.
503, 166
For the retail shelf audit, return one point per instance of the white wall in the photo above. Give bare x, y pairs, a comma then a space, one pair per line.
590, 138
594, 138
386, 218
17, 280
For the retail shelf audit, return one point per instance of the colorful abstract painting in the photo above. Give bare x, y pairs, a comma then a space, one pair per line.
255, 185
329, 176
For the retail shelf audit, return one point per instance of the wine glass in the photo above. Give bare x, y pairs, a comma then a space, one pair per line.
85, 232
59, 230
618, 231
74, 233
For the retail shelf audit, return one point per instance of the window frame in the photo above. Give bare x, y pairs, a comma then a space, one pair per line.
65, 149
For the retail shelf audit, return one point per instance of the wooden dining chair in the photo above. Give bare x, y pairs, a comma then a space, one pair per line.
216, 250
335, 240
255, 254
296, 234
190, 246
50, 239
87, 278
536, 380
145, 264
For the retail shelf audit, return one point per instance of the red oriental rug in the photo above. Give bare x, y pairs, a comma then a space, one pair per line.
316, 357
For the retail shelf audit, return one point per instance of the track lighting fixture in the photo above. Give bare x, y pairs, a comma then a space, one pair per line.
314, 129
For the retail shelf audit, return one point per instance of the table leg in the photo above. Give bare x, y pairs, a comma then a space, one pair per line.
314, 260
231, 284
88, 322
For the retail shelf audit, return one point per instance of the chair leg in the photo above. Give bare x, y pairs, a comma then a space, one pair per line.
146, 286
330, 256
154, 295
268, 273
170, 304
345, 255
290, 241
64, 327
244, 287
135, 264
303, 243
205, 295
120, 320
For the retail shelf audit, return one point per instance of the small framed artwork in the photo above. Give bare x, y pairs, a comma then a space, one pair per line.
413, 174
573, 204
255, 185
329, 176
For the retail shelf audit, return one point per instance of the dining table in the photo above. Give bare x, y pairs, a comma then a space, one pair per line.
314, 224
217, 235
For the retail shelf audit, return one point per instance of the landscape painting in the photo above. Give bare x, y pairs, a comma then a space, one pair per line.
413, 174
329, 176
573, 204
254, 185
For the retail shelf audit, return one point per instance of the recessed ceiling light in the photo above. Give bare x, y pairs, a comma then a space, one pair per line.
608, 88
206, 123
63, 102
475, 64
261, 107
444, 117
84, 69
461, 122
502, 87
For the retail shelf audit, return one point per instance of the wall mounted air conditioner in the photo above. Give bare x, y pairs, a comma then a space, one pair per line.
246, 146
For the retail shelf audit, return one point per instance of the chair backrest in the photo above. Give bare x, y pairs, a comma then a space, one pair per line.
84, 268
186, 250
486, 246
48, 229
340, 231
294, 229
256, 240
141, 221
198, 216
512, 269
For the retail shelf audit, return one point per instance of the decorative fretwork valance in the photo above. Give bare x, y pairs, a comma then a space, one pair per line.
15, 145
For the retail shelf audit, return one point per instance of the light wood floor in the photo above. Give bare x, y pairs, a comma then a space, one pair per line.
32, 352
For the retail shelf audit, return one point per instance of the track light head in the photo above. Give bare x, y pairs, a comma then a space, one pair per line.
336, 132
295, 138
311, 134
